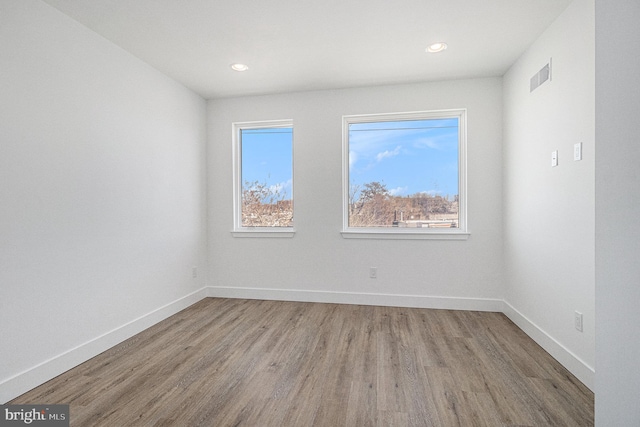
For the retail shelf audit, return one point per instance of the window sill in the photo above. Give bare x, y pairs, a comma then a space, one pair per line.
264, 232
404, 235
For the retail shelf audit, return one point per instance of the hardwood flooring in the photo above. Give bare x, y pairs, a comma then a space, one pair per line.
231, 362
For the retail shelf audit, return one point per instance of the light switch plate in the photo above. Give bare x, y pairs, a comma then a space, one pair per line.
577, 151
554, 158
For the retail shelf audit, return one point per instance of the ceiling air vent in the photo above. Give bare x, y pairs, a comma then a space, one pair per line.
540, 77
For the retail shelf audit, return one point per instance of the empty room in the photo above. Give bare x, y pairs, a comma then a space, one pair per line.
297, 213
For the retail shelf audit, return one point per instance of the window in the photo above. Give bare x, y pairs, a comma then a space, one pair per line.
404, 175
263, 178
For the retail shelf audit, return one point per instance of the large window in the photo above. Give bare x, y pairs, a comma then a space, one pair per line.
405, 174
263, 176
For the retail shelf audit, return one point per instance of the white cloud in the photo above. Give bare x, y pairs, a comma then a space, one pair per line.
398, 191
427, 142
280, 186
274, 188
387, 153
442, 141
353, 157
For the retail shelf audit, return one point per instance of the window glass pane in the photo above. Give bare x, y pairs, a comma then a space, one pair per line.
267, 177
404, 173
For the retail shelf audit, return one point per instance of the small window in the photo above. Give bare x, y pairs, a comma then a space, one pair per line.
263, 177
405, 175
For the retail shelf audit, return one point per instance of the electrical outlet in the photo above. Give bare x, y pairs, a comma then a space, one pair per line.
578, 320
373, 272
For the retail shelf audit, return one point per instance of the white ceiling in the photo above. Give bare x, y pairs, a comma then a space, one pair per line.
295, 45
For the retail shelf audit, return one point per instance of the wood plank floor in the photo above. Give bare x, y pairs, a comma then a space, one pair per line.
231, 362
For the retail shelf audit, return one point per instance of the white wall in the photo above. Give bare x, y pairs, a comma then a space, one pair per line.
103, 213
318, 264
617, 212
102, 187
549, 212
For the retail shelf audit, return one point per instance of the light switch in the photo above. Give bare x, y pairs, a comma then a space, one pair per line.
577, 151
554, 158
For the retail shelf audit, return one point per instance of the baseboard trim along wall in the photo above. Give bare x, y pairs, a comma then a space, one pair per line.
39, 374
391, 300
49, 369
573, 363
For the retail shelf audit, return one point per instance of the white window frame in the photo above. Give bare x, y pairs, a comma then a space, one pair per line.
238, 229
460, 233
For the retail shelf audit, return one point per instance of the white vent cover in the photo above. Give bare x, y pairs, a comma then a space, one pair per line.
540, 77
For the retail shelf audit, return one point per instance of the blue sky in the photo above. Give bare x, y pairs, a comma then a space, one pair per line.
267, 157
409, 157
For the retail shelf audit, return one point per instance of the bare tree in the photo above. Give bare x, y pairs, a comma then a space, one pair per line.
372, 205
265, 206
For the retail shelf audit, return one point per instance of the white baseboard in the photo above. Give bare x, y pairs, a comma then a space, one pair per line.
43, 372
391, 300
39, 374
573, 363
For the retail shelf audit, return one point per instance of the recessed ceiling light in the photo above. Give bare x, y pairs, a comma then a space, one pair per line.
436, 47
239, 67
